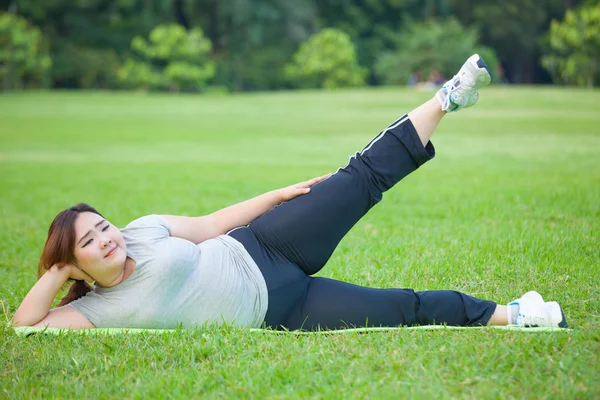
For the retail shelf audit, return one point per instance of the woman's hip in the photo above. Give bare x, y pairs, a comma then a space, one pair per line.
286, 282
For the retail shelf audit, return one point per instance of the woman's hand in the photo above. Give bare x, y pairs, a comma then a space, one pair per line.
73, 272
299, 189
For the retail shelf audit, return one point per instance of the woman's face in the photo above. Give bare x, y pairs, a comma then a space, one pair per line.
99, 249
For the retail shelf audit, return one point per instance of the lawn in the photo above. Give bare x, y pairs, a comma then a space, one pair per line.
511, 203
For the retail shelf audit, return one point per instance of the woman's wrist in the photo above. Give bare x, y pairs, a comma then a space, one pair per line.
278, 197
59, 273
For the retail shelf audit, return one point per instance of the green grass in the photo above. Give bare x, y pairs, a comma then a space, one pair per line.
511, 203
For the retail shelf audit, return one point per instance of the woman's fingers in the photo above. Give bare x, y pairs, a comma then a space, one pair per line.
316, 180
301, 188
87, 277
78, 274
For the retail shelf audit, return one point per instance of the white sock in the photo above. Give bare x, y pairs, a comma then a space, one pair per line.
442, 97
513, 313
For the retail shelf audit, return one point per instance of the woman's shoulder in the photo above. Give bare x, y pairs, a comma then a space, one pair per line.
149, 227
148, 221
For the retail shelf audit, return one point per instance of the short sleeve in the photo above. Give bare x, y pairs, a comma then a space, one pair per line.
90, 307
145, 236
149, 228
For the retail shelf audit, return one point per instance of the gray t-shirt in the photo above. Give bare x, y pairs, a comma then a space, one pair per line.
178, 282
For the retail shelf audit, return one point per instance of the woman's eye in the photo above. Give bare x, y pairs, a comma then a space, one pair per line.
86, 243
105, 228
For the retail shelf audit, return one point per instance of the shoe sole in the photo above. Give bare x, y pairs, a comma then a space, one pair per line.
557, 315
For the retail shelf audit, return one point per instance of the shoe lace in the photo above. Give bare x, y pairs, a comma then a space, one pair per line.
461, 83
456, 88
531, 320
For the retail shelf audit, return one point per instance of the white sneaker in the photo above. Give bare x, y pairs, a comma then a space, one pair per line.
461, 91
534, 312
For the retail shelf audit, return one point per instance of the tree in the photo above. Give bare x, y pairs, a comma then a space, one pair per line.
429, 46
171, 59
88, 38
253, 39
326, 60
24, 62
575, 45
513, 28
371, 23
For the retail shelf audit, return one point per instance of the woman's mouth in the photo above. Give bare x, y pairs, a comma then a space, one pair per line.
110, 253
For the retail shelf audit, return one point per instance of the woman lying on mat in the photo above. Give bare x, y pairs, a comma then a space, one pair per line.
165, 271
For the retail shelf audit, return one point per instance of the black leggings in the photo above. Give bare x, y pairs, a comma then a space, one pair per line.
295, 239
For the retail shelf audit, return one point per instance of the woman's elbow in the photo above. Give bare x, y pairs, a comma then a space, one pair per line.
17, 322
22, 320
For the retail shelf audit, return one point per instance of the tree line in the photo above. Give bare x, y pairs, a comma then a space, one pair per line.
187, 45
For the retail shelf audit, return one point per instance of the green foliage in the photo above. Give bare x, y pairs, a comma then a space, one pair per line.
89, 38
181, 75
85, 67
254, 39
24, 61
514, 29
422, 48
134, 74
369, 23
575, 44
171, 59
512, 26
259, 68
326, 60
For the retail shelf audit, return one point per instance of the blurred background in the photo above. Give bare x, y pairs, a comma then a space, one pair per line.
260, 45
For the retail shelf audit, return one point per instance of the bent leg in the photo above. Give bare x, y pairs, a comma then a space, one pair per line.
308, 228
331, 304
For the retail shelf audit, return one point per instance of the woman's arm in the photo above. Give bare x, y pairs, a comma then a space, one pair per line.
199, 229
35, 308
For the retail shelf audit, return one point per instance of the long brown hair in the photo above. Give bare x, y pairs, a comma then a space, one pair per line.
60, 248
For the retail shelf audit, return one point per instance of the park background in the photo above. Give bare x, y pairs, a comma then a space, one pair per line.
249, 45
184, 107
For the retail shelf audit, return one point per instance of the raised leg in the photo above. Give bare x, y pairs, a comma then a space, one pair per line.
331, 304
307, 229
426, 118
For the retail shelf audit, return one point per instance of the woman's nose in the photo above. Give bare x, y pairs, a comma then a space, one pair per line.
105, 241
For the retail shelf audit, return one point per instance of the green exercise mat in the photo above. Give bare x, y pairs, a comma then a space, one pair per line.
27, 330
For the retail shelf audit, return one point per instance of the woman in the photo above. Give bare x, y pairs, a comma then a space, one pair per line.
252, 263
